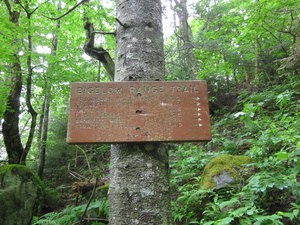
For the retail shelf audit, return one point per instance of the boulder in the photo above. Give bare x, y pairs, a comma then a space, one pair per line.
223, 171
21, 195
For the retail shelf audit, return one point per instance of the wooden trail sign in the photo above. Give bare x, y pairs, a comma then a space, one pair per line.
144, 111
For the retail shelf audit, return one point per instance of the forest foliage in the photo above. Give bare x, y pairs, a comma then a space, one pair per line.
247, 51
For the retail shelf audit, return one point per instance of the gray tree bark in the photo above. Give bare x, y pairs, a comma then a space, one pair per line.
139, 173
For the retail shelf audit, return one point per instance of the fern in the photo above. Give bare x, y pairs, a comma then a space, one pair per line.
46, 219
72, 214
266, 220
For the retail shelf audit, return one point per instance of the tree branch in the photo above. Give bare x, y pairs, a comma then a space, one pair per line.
27, 12
104, 33
66, 13
8, 6
98, 53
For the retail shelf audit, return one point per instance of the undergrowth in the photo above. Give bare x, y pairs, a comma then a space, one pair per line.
73, 214
266, 128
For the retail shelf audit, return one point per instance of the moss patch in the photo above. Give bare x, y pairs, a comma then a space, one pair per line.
23, 172
229, 163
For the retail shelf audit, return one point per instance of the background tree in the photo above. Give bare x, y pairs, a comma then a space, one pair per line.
184, 36
139, 173
44, 119
10, 127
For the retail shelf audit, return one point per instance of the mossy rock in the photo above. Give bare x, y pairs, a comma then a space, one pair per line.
223, 170
21, 195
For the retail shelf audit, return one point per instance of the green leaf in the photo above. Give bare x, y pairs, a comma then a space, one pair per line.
224, 221
282, 155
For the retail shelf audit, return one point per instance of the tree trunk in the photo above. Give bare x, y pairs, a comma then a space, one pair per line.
186, 49
46, 108
256, 71
10, 126
44, 134
139, 173
31, 110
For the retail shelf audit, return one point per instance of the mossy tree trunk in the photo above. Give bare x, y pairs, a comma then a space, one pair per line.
12, 138
139, 173
10, 127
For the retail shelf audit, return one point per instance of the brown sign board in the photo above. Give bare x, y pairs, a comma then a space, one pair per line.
144, 111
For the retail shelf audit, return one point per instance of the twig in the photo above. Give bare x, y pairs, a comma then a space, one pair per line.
96, 219
76, 156
78, 174
93, 219
87, 160
88, 204
73, 173
74, 176
122, 24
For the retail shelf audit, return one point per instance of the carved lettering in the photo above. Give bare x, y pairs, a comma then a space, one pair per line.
138, 111
146, 89
184, 89
99, 90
